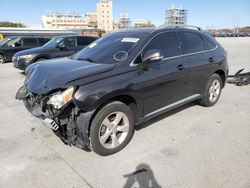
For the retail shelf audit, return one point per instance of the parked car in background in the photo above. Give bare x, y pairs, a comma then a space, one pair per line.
12, 45
62, 46
94, 98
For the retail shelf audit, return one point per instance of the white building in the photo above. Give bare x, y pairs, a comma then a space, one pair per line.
56, 20
140, 23
105, 15
91, 19
176, 16
124, 21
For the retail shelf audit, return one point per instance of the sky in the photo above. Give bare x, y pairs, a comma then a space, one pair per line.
206, 14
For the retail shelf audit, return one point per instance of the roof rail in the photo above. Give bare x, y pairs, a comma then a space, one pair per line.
188, 26
178, 26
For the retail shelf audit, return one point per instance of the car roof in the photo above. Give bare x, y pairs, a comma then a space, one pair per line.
158, 30
66, 36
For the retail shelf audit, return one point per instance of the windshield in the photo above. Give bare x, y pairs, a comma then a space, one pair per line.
110, 49
8, 42
53, 42
4, 41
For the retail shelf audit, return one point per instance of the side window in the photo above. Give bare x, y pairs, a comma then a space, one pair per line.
42, 41
84, 41
192, 42
166, 42
70, 42
209, 44
29, 41
14, 43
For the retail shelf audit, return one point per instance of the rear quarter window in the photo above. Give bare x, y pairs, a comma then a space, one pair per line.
210, 45
191, 42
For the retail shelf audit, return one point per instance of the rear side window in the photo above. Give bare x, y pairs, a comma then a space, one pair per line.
84, 41
29, 41
192, 42
209, 44
166, 42
42, 41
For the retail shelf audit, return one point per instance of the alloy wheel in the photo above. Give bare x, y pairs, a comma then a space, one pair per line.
114, 130
214, 90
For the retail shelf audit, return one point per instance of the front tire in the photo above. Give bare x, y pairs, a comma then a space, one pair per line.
111, 129
2, 59
213, 91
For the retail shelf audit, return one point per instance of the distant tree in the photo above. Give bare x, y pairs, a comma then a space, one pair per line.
11, 24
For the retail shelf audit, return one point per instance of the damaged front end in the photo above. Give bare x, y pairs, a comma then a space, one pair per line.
67, 120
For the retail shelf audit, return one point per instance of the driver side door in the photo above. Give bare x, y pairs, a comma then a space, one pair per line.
69, 48
13, 47
162, 82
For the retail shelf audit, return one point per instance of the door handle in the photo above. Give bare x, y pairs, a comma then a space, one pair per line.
211, 59
180, 67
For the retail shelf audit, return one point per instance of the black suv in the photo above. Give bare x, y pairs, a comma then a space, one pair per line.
95, 98
9, 46
62, 46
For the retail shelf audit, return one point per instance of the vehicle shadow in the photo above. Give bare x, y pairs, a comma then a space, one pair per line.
165, 115
143, 176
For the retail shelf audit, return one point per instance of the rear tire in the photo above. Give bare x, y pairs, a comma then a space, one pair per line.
112, 128
212, 92
2, 59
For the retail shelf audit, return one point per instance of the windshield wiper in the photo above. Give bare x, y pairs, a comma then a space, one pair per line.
88, 59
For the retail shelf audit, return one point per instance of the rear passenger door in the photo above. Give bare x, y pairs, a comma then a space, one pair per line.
198, 61
164, 82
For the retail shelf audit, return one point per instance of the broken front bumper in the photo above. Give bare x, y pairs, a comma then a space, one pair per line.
73, 124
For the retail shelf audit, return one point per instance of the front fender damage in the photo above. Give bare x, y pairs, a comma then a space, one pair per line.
72, 124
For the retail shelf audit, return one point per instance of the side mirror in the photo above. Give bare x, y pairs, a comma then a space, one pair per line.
61, 46
152, 55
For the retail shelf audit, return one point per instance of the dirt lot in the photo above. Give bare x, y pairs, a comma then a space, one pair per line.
192, 146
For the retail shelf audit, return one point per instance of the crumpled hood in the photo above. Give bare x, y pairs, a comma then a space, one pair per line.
43, 77
37, 50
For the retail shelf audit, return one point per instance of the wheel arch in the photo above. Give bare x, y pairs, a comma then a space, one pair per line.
222, 74
127, 99
41, 57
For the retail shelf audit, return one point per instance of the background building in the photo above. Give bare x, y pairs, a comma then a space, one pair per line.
105, 15
56, 20
176, 16
124, 21
91, 19
139, 23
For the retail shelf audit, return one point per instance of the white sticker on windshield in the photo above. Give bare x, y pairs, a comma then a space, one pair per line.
92, 45
133, 40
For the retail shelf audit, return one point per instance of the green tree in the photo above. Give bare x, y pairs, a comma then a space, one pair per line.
11, 24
